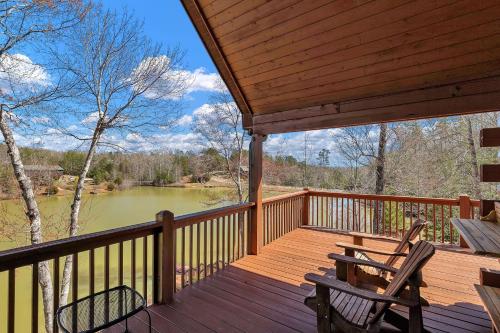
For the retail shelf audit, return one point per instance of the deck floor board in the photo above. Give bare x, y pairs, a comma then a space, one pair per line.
264, 293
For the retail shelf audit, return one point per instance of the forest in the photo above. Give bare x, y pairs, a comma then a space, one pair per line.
433, 158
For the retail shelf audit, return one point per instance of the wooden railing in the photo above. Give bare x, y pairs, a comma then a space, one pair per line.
389, 215
283, 214
206, 242
133, 255
91, 253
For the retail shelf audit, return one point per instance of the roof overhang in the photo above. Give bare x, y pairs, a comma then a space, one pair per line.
295, 65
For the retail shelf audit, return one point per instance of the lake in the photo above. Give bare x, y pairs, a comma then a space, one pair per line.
100, 212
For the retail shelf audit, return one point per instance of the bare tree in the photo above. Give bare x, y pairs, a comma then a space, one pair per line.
126, 86
219, 125
25, 85
359, 147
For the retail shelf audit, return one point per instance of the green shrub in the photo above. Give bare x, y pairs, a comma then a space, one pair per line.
118, 181
52, 190
110, 187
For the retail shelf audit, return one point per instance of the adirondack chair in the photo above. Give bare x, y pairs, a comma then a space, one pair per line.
373, 275
341, 307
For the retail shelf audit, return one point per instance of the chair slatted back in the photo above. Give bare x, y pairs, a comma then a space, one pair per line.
420, 253
409, 236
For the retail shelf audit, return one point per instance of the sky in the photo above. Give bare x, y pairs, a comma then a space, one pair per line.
165, 21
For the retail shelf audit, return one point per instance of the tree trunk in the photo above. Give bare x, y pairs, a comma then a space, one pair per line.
476, 187
33, 214
75, 212
379, 173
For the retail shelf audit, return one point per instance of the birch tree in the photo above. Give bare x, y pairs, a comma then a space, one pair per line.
127, 87
24, 86
219, 126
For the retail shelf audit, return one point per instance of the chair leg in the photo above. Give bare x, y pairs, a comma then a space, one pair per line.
416, 322
323, 309
149, 319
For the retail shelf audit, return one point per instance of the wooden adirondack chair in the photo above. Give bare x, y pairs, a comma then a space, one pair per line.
341, 307
372, 275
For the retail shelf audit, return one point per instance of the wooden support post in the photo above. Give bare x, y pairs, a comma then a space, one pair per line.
305, 208
255, 194
465, 213
168, 256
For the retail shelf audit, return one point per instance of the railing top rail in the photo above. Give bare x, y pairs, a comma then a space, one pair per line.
189, 219
399, 198
32, 254
284, 196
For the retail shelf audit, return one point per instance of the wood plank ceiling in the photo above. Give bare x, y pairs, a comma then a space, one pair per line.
295, 65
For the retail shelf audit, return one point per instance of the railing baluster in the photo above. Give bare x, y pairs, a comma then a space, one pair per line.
450, 226
404, 219
198, 251
75, 277
55, 299
132, 263
425, 219
228, 244
364, 208
347, 215
120, 263
442, 223
234, 237
183, 257
390, 218
223, 242
205, 248
91, 271
384, 232
34, 299
145, 267
397, 220
434, 221
156, 267
11, 301
218, 242
74, 314
106, 267
336, 212
212, 247
191, 254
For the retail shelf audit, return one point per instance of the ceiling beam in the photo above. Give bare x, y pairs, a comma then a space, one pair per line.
199, 20
482, 95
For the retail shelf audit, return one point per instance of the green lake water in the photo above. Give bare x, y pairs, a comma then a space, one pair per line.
100, 212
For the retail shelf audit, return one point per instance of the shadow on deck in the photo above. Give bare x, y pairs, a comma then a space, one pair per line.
264, 293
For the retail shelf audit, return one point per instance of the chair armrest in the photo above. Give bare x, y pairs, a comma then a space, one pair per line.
361, 248
352, 260
349, 289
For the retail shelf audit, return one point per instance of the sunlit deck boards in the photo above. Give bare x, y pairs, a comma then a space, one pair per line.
264, 293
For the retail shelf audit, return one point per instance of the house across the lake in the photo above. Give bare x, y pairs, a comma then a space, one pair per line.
43, 174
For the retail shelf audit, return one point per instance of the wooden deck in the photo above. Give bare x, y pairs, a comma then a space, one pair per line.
264, 293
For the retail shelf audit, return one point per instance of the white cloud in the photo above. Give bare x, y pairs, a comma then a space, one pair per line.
185, 120
40, 120
177, 82
91, 118
203, 81
160, 141
19, 73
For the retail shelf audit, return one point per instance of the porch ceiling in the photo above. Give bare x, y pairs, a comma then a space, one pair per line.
296, 65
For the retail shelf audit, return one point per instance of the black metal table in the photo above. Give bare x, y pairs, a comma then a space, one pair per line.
101, 310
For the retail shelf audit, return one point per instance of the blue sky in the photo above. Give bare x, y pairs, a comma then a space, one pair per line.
166, 21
